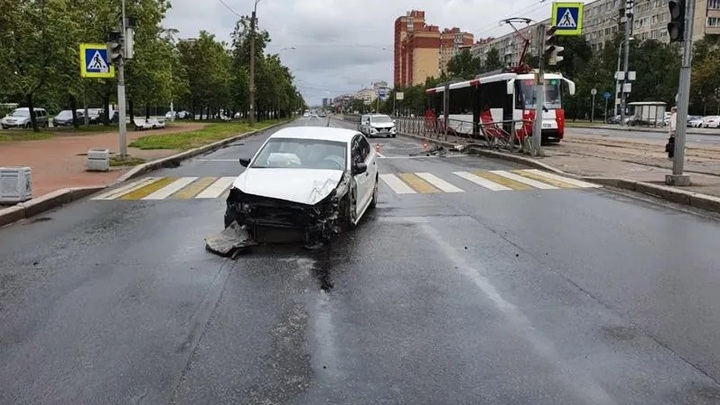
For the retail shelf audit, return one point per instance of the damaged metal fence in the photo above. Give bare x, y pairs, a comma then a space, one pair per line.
507, 136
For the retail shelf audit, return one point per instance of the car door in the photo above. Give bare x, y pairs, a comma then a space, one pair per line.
361, 179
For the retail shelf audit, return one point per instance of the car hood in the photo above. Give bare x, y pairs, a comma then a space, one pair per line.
305, 186
383, 124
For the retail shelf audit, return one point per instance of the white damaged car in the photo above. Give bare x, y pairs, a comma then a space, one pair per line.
312, 182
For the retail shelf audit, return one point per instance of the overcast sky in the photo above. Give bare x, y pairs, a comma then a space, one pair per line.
342, 46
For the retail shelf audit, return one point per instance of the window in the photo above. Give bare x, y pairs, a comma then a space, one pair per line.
364, 147
461, 100
713, 5
290, 153
713, 22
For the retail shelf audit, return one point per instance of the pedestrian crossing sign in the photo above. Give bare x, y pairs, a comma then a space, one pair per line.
94, 62
567, 18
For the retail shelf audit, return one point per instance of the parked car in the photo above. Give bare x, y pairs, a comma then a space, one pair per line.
712, 121
695, 121
314, 181
65, 118
20, 118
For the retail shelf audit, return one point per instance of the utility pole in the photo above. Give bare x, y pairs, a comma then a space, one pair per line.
680, 30
122, 120
539, 93
626, 68
251, 116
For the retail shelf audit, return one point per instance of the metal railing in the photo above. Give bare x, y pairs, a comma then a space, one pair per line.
510, 135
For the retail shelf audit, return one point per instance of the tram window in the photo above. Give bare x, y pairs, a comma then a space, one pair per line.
461, 101
493, 95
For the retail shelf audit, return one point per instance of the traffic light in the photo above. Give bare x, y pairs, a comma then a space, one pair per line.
115, 47
676, 26
551, 48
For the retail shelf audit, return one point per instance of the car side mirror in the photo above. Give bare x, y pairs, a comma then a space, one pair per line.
359, 168
244, 162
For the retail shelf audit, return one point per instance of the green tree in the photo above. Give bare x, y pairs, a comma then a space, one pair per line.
492, 61
37, 41
464, 65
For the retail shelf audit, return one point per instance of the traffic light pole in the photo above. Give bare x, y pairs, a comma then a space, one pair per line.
626, 68
122, 121
539, 96
677, 178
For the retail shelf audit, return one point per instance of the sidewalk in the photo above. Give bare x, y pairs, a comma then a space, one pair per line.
633, 159
59, 162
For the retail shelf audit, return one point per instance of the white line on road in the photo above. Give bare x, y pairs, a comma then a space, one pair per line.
524, 180
171, 188
217, 188
396, 184
573, 377
568, 180
439, 183
112, 194
482, 182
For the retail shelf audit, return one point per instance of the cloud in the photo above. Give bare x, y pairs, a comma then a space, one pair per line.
344, 45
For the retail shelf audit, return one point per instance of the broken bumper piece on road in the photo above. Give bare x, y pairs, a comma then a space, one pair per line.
253, 219
231, 241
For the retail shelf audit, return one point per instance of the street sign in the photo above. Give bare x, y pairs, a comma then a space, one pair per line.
593, 92
607, 95
94, 62
399, 95
567, 17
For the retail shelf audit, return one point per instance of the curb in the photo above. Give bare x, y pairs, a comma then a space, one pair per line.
174, 160
44, 203
64, 196
672, 194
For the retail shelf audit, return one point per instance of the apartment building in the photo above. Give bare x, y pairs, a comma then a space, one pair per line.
602, 19
422, 50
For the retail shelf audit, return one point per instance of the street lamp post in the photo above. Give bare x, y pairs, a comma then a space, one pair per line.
251, 116
628, 32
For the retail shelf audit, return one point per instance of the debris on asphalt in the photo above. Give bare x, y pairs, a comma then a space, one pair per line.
230, 242
435, 150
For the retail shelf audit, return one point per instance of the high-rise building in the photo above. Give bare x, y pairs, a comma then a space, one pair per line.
421, 50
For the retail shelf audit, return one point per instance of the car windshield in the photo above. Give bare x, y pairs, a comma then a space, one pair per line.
20, 113
382, 119
64, 114
301, 154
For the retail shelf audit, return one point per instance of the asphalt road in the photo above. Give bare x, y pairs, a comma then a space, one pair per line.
709, 136
442, 295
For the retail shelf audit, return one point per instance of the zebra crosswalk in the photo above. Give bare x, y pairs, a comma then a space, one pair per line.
493, 180
171, 188
200, 188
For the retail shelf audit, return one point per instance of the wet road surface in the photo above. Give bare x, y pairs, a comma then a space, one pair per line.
465, 286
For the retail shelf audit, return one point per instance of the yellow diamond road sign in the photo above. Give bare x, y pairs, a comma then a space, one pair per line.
567, 17
94, 62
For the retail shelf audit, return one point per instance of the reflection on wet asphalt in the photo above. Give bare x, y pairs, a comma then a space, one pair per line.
531, 296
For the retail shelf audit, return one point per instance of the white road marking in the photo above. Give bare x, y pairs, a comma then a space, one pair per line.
113, 194
568, 180
439, 183
217, 188
525, 180
482, 182
575, 378
396, 184
170, 189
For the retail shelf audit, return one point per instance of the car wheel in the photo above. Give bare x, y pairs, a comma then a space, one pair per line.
373, 202
349, 212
